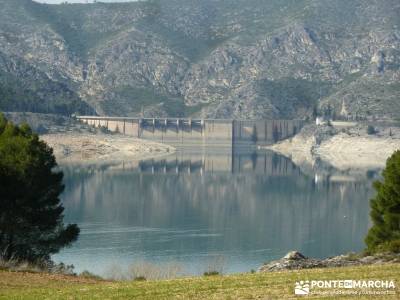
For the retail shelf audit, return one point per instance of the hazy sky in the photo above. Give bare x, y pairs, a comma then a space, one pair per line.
79, 1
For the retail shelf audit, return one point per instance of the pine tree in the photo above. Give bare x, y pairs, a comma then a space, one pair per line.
254, 135
315, 112
384, 235
31, 215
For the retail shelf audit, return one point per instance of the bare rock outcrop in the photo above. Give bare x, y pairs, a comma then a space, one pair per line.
273, 59
294, 260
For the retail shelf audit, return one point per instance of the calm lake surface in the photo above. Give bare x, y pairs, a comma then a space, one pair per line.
197, 209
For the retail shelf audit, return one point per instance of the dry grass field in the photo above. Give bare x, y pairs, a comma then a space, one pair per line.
278, 285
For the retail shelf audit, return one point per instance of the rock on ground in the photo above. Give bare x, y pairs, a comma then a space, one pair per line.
294, 260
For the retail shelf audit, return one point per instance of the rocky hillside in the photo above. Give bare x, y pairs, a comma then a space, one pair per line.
214, 58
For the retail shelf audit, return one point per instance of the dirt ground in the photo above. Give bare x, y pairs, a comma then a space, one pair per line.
86, 147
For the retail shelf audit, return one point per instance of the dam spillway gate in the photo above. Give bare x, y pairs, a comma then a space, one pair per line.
195, 132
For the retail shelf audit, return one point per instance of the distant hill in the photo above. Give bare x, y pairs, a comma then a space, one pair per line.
214, 58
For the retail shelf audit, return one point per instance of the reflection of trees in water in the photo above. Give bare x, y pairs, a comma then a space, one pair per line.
275, 161
254, 159
249, 210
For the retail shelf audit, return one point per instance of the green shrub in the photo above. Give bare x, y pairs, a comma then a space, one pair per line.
140, 278
89, 275
371, 130
384, 235
211, 273
31, 213
104, 130
353, 256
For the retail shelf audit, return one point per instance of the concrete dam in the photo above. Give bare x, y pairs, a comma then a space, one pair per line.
196, 132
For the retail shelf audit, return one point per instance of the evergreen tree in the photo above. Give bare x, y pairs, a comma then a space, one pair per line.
315, 112
371, 130
384, 235
254, 135
31, 215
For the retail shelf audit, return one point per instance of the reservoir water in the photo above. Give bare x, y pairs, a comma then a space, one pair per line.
200, 210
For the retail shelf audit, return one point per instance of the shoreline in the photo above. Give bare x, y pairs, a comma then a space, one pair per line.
343, 149
94, 148
295, 260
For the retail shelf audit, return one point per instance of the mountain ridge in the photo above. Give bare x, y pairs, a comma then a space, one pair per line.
211, 58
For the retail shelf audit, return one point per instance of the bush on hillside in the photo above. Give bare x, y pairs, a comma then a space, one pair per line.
31, 215
371, 130
384, 235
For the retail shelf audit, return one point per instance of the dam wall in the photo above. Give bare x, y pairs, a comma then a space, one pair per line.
199, 132
265, 132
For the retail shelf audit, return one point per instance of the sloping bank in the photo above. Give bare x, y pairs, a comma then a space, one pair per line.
94, 148
343, 147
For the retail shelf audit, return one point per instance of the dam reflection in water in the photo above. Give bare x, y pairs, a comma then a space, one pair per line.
190, 208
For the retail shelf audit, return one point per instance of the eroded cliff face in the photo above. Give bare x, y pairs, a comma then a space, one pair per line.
219, 59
